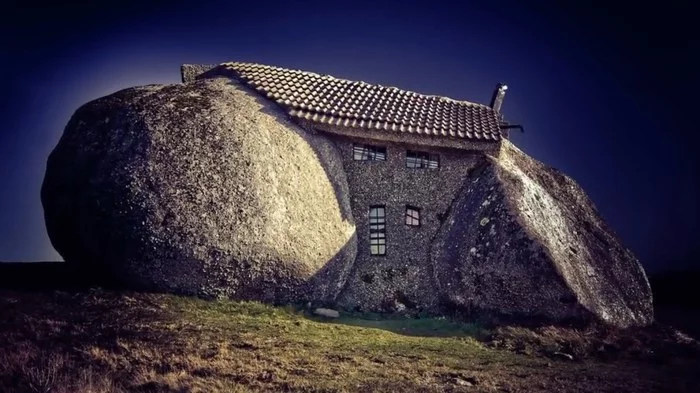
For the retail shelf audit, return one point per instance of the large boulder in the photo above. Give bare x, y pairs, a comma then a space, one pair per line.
524, 240
201, 188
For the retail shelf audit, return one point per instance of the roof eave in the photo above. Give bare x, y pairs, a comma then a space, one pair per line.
406, 138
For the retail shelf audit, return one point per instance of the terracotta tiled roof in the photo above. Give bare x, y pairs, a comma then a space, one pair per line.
332, 101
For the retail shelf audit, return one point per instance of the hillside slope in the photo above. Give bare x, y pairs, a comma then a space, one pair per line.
96, 340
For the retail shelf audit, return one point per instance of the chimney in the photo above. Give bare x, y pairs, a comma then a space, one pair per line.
498, 94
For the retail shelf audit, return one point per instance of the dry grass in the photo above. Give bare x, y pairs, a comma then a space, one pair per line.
98, 341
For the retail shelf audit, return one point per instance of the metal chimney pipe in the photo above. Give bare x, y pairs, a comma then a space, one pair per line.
498, 94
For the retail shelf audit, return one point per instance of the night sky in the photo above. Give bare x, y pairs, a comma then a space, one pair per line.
606, 93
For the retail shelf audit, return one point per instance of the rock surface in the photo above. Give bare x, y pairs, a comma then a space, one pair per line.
201, 188
327, 312
523, 239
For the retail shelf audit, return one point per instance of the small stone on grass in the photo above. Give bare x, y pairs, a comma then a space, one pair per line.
327, 312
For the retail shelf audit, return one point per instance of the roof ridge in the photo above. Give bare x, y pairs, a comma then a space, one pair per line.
237, 63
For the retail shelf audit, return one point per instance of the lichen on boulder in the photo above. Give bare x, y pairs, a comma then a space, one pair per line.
524, 240
200, 188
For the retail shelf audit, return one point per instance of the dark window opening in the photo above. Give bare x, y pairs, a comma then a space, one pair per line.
377, 230
419, 159
412, 216
368, 153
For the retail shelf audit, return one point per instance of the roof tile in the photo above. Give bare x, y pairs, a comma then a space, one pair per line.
328, 100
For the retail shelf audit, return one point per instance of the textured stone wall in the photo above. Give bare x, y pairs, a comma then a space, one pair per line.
403, 277
189, 72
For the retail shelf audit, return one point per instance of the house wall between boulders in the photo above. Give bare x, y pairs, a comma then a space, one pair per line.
402, 279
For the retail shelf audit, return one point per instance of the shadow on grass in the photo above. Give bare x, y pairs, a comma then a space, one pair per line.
49, 334
42, 276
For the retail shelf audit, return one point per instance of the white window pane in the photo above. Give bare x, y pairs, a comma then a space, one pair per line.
377, 236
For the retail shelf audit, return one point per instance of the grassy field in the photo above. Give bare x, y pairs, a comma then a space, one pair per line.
106, 341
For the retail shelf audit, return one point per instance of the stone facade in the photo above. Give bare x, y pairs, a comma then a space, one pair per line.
402, 278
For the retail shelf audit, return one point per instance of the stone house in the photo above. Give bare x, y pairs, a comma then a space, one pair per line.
261, 183
406, 156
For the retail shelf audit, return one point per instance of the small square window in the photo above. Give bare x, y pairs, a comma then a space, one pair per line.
377, 230
419, 159
412, 216
368, 153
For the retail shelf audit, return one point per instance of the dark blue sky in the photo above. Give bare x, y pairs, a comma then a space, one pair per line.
605, 91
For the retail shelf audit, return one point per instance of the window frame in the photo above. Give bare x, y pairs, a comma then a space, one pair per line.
377, 231
422, 160
408, 216
368, 152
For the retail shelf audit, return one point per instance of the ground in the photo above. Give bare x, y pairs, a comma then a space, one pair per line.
95, 340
